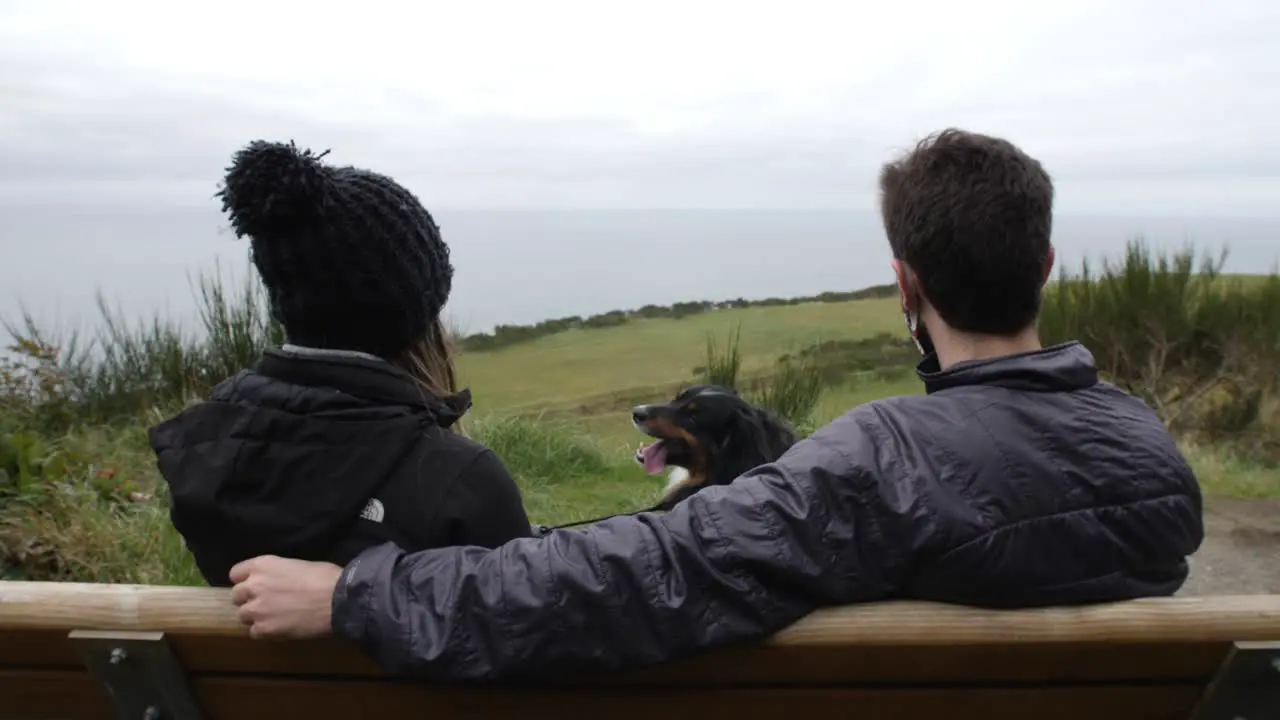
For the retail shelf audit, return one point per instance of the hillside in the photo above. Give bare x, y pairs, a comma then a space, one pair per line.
588, 373
592, 376
80, 498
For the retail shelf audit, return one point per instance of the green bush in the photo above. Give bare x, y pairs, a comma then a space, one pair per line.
1202, 350
541, 451
722, 368
86, 506
126, 368
90, 506
792, 390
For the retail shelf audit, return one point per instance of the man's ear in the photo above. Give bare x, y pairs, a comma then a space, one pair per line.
907, 285
1048, 267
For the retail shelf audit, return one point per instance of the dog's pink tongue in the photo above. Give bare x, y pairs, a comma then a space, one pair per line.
655, 457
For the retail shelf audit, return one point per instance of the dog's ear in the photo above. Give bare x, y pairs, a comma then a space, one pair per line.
746, 431
778, 434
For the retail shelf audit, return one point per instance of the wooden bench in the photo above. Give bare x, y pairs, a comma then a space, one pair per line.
163, 653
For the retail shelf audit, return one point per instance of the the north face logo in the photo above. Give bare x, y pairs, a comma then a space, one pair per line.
373, 511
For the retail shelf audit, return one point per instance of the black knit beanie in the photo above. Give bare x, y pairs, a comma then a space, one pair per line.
351, 260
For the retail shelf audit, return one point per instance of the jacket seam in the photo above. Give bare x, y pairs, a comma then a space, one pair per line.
451, 484
241, 442
837, 449
1092, 510
1007, 465
716, 522
780, 549
652, 585
861, 474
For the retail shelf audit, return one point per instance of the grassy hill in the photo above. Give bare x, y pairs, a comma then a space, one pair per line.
588, 379
593, 376
80, 498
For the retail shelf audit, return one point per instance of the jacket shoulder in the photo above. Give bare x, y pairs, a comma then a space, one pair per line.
451, 490
866, 438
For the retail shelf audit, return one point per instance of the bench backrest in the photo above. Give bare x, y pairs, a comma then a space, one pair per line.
161, 653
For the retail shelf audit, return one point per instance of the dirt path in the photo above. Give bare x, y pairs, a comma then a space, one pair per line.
1241, 550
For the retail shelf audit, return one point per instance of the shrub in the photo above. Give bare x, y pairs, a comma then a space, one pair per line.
792, 390
883, 355
564, 474
722, 368
541, 451
87, 507
35, 390
1201, 350
125, 367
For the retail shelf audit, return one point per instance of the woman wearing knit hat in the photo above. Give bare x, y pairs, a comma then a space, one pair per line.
346, 436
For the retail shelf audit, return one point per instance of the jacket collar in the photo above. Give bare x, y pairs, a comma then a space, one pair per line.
1059, 368
362, 375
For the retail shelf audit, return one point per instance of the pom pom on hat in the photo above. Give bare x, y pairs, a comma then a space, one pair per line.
274, 187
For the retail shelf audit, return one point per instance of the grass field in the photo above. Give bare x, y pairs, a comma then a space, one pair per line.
556, 409
585, 381
575, 366
581, 384
592, 376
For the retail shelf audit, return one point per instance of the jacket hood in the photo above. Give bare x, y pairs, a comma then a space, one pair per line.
284, 457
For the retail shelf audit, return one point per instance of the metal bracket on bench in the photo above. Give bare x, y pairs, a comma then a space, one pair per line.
1246, 686
139, 672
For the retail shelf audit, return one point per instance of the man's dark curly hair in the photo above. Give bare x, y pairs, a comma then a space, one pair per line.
971, 215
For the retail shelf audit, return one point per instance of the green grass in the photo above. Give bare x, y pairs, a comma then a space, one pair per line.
1223, 473
556, 409
591, 378
101, 514
77, 530
576, 367
566, 475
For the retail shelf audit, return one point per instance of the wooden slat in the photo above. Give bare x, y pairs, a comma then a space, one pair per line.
922, 664
207, 611
71, 606
779, 665
69, 696
51, 695
1155, 656
235, 699
37, 650
47, 695
50, 649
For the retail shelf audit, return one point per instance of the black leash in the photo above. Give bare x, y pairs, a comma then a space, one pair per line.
544, 529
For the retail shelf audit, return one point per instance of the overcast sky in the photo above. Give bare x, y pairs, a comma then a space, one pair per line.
1135, 106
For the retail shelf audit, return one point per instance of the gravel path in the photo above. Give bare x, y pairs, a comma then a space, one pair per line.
1241, 550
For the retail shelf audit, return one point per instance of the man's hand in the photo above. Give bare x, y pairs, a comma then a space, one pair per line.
281, 598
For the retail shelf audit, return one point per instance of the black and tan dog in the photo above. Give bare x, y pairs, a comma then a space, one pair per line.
707, 435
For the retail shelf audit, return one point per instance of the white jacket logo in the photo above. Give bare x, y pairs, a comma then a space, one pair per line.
373, 511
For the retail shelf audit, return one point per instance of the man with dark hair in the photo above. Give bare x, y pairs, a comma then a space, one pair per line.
1018, 479
971, 217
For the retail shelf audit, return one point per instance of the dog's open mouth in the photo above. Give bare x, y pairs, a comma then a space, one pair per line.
653, 457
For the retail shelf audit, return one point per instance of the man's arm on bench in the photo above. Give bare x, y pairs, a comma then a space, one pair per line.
732, 563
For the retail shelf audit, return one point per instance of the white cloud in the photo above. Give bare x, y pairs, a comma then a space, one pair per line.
1132, 105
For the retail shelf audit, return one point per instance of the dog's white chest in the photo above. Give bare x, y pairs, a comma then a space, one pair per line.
677, 477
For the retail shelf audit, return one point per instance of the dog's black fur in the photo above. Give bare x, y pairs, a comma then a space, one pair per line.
710, 436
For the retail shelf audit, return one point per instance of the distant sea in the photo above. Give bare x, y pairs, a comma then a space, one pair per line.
525, 266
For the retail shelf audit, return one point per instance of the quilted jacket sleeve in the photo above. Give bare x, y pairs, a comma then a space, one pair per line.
732, 563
